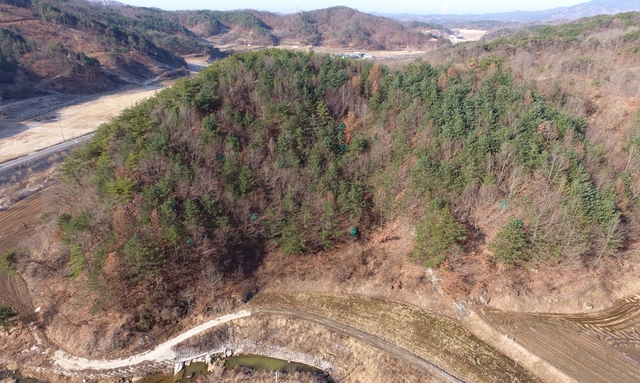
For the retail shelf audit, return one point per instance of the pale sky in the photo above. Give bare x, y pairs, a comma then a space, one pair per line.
382, 6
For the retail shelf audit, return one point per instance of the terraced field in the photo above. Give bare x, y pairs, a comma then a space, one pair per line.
16, 224
19, 222
599, 347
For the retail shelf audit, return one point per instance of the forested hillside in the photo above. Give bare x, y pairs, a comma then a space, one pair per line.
588, 68
346, 27
336, 27
82, 47
78, 46
296, 153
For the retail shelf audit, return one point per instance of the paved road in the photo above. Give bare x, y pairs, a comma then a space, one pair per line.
44, 152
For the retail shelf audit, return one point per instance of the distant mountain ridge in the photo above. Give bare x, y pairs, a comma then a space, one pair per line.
587, 9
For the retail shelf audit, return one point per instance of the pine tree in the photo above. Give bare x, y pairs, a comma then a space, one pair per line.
510, 245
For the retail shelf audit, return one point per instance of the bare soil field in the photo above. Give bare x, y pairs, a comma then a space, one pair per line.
18, 139
20, 221
14, 294
468, 34
51, 121
599, 347
15, 111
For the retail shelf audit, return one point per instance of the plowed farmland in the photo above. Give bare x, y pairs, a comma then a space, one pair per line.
14, 294
599, 347
17, 224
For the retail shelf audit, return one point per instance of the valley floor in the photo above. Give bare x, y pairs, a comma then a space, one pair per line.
21, 138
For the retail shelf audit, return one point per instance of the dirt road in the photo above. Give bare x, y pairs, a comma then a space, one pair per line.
162, 352
6, 166
372, 340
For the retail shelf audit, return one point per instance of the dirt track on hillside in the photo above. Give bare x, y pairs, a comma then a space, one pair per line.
162, 352
397, 352
431, 337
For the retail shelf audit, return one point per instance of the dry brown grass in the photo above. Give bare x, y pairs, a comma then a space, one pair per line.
245, 375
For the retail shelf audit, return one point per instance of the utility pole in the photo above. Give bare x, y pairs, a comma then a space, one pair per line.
276, 376
59, 126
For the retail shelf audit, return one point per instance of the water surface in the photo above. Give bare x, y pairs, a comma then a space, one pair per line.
264, 363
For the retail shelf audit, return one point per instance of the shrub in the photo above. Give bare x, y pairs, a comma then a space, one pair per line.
6, 317
7, 262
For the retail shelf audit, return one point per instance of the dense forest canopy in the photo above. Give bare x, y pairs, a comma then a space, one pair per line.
293, 152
